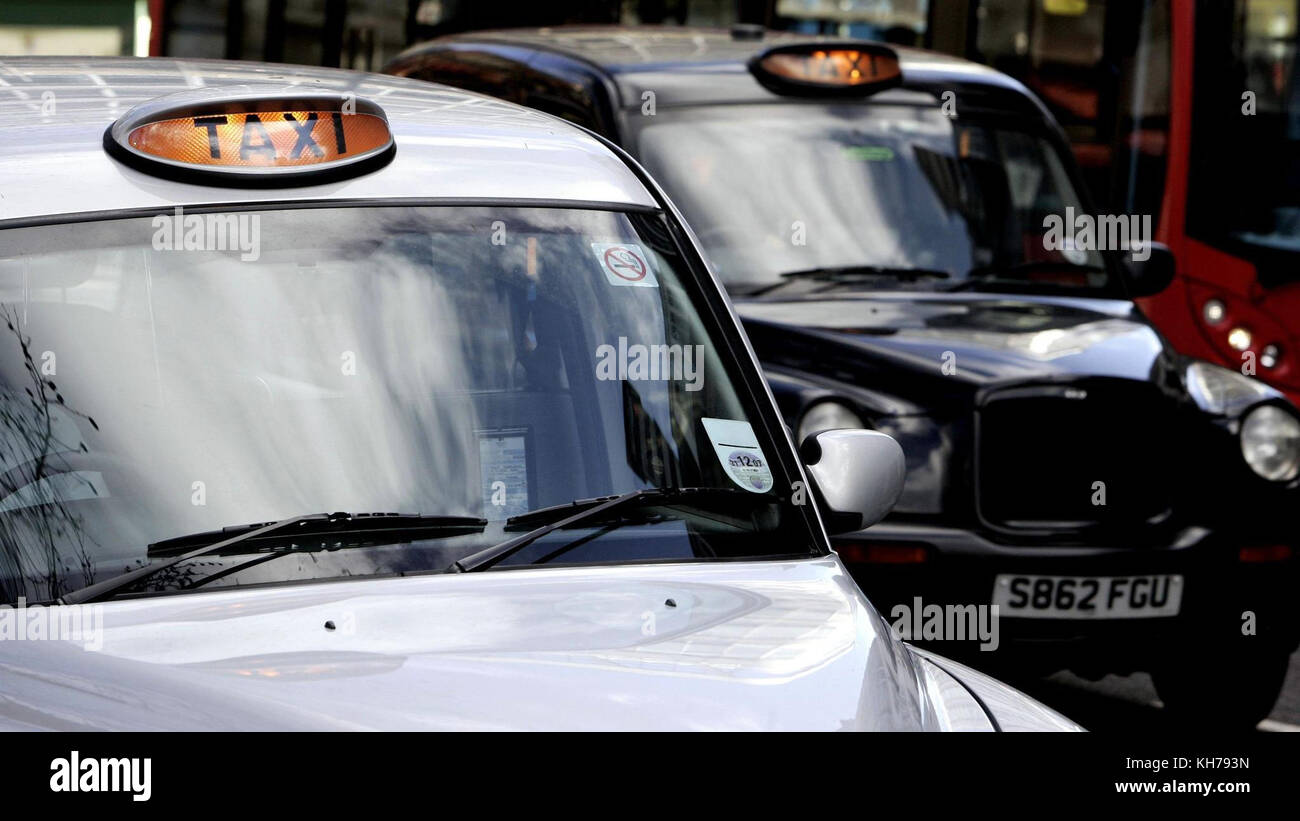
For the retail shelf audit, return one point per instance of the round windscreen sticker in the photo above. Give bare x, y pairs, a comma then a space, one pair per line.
748, 468
625, 263
738, 451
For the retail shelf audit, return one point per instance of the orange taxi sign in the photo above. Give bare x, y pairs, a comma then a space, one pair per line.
257, 139
827, 69
262, 139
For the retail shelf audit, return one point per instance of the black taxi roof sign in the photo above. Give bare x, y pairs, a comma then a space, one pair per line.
253, 136
828, 69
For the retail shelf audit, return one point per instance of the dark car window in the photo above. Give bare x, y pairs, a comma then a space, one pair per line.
1246, 62
562, 108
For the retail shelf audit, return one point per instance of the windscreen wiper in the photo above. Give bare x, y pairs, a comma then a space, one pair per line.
366, 524
588, 510
987, 276
241, 537
853, 273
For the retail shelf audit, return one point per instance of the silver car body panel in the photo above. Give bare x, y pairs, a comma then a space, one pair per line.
783, 645
450, 144
1012, 710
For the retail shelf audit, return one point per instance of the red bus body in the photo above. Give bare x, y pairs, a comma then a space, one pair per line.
1271, 315
1088, 95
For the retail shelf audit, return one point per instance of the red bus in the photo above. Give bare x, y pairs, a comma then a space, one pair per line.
1187, 110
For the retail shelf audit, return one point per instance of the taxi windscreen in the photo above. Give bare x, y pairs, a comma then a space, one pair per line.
865, 187
168, 376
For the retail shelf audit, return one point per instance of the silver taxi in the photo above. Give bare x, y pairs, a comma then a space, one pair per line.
336, 401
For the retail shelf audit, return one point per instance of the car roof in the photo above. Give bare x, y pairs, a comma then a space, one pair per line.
451, 144
629, 49
696, 65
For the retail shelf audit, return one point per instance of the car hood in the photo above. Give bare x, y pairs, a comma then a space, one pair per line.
901, 343
738, 646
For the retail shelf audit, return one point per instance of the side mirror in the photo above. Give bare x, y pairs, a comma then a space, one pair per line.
1151, 275
858, 473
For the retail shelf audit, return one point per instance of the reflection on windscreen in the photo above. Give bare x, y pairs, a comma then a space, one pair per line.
367, 360
776, 188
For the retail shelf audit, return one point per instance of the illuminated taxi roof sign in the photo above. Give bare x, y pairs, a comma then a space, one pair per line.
832, 69
253, 136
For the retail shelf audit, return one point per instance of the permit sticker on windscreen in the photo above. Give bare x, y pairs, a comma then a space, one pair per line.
738, 450
625, 263
503, 460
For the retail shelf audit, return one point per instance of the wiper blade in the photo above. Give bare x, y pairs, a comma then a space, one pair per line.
382, 524
848, 272
991, 275
587, 510
293, 527
853, 273
667, 496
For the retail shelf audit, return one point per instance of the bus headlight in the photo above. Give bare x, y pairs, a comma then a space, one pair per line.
827, 415
1270, 443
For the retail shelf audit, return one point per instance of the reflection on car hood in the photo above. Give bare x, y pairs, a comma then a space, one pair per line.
988, 337
741, 646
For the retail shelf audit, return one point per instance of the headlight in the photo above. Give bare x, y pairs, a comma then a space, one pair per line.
1224, 392
1270, 443
827, 415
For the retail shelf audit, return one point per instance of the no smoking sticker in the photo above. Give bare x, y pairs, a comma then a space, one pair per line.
625, 263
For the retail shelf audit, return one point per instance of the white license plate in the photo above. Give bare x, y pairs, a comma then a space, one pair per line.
1088, 597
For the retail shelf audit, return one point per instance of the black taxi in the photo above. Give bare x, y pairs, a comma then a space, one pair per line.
907, 240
